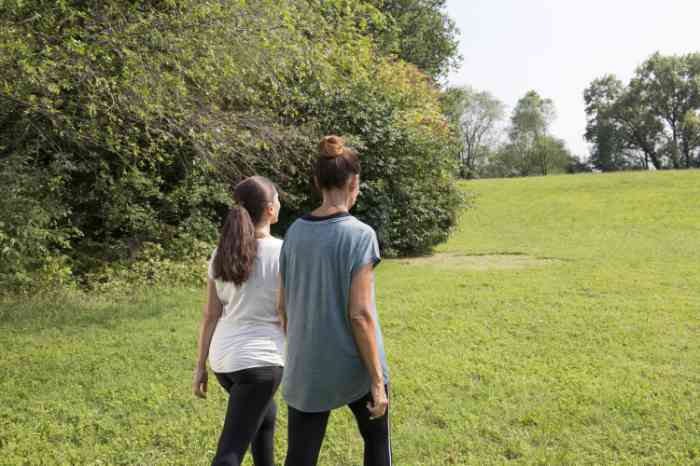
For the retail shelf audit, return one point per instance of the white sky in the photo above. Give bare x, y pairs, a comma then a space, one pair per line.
557, 47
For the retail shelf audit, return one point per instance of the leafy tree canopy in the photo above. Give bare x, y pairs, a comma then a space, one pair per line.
422, 33
651, 121
124, 124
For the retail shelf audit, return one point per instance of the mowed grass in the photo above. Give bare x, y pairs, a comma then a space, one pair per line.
585, 351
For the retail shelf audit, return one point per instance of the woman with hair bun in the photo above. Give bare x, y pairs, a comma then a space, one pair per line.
241, 333
335, 353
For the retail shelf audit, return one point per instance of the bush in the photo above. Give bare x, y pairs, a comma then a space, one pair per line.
135, 119
152, 267
33, 242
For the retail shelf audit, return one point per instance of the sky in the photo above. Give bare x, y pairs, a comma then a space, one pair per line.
557, 47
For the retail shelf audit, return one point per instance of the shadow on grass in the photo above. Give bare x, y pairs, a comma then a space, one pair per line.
480, 262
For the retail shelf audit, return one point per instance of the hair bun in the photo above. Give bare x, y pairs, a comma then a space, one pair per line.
331, 147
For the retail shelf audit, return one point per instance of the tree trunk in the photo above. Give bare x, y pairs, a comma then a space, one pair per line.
654, 159
674, 151
686, 153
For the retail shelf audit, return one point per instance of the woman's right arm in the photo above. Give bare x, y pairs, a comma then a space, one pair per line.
210, 317
364, 330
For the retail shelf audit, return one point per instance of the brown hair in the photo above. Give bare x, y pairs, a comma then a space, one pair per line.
336, 163
237, 245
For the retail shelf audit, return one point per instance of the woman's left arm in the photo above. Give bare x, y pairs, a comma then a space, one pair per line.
281, 309
210, 317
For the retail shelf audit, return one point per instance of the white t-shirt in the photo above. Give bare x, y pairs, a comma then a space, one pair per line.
248, 333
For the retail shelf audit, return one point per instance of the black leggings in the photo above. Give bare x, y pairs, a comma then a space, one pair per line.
306, 432
250, 416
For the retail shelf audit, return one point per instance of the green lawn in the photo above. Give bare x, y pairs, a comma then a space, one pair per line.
580, 346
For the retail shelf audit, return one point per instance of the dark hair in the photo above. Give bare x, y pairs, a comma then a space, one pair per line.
336, 163
237, 245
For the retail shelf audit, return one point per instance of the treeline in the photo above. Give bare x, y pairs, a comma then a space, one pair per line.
123, 125
651, 122
496, 148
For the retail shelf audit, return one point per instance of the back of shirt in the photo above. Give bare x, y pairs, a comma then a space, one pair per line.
248, 333
324, 369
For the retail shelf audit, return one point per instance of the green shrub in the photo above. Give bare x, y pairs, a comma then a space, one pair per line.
33, 242
136, 118
151, 268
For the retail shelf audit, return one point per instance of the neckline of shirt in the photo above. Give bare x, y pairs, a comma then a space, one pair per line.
313, 218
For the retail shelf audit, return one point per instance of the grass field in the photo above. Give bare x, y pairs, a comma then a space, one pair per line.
559, 325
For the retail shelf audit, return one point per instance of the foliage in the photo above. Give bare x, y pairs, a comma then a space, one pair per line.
32, 241
671, 88
422, 33
134, 119
404, 139
651, 121
151, 267
539, 153
477, 115
531, 118
549, 154
530, 150
608, 145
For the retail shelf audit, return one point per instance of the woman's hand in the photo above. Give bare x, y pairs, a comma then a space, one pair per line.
379, 404
200, 381
283, 323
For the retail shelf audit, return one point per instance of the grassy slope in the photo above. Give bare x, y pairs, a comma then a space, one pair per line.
594, 359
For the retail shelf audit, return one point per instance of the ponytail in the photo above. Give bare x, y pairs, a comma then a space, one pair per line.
238, 246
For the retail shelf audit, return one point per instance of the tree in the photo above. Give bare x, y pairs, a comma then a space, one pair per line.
422, 33
505, 162
531, 117
670, 86
530, 149
550, 155
134, 119
690, 124
640, 128
602, 131
649, 122
623, 130
691, 136
478, 114
530, 122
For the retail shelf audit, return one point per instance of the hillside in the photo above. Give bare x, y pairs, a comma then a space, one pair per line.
558, 325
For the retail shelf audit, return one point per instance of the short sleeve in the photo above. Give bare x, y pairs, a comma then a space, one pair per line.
210, 268
366, 252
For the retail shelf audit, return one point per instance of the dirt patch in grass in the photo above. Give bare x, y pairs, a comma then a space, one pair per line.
453, 260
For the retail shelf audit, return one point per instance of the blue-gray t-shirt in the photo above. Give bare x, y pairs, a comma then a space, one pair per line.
324, 369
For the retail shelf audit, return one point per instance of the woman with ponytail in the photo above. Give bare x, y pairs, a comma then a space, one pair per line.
335, 354
240, 332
